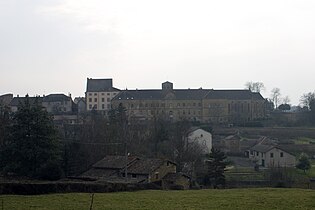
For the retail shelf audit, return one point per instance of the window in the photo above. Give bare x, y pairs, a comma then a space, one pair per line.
103, 99
184, 104
95, 94
90, 106
90, 99
108, 99
103, 94
281, 154
90, 94
95, 106
156, 176
95, 99
271, 155
103, 106
108, 94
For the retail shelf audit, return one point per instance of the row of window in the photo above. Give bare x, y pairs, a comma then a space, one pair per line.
95, 94
184, 112
102, 107
163, 105
271, 154
102, 99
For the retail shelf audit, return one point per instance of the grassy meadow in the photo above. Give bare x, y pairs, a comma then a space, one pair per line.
263, 198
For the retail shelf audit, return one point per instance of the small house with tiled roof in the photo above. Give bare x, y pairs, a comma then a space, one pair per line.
139, 170
271, 156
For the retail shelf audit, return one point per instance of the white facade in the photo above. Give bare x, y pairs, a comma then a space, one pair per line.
273, 157
203, 138
100, 101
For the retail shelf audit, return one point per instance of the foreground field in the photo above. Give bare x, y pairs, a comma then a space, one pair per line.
264, 198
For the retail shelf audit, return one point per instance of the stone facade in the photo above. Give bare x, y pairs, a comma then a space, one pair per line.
204, 105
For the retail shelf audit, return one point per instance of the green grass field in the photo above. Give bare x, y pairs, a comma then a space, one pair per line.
263, 198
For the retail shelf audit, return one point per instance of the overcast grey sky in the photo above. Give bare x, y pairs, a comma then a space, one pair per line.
54, 45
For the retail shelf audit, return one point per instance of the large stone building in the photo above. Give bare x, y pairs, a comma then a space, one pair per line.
204, 105
99, 93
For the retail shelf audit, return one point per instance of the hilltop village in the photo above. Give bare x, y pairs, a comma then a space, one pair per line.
164, 136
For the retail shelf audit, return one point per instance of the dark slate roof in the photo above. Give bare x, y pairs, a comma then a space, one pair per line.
114, 162
229, 94
145, 166
262, 148
187, 94
258, 96
100, 85
16, 101
56, 98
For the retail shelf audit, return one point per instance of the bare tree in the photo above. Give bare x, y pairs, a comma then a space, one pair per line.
286, 100
275, 96
307, 99
255, 86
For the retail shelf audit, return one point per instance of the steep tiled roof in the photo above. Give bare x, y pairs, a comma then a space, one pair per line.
145, 166
113, 162
229, 94
56, 98
262, 148
99, 85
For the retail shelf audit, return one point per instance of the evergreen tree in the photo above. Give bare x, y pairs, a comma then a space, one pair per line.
32, 148
4, 122
304, 163
216, 166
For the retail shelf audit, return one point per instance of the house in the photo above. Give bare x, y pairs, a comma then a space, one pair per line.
57, 104
270, 156
17, 101
139, 170
99, 93
204, 105
109, 166
150, 170
202, 138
